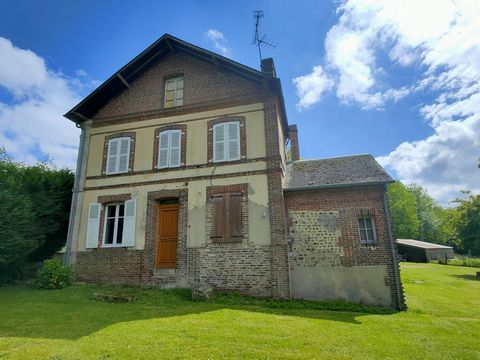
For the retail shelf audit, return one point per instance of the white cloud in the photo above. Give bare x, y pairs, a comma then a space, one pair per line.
219, 42
438, 38
31, 123
311, 87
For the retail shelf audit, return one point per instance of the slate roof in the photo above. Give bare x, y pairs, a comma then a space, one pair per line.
335, 172
421, 244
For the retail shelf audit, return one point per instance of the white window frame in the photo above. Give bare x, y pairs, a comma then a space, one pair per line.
117, 156
169, 149
367, 241
176, 99
226, 141
115, 228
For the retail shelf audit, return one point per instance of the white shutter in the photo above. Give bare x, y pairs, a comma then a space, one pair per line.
129, 223
112, 156
175, 136
123, 154
93, 225
163, 150
233, 141
219, 142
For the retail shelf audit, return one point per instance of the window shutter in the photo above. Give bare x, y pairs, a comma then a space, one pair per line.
112, 156
129, 223
235, 216
175, 145
124, 154
93, 225
163, 150
219, 218
219, 142
233, 141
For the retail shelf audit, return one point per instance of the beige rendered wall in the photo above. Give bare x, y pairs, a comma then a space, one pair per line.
259, 226
196, 137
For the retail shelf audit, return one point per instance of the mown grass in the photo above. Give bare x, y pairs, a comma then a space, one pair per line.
443, 321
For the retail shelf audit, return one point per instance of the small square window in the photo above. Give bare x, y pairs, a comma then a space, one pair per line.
174, 92
366, 229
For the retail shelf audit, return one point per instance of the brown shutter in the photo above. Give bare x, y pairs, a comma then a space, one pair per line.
235, 217
219, 218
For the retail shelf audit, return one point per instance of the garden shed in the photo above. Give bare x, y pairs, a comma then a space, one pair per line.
422, 251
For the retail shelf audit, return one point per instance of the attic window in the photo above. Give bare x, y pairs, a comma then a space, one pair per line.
174, 92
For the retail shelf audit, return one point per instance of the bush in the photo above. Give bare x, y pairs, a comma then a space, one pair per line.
53, 275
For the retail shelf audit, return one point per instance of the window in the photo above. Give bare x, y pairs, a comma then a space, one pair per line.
174, 92
169, 149
114, 216
227, 217
366, 227
118, 155
226, 141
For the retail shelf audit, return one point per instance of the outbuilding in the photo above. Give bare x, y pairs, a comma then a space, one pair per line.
422, 251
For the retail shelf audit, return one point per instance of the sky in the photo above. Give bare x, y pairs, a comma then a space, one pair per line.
396, 79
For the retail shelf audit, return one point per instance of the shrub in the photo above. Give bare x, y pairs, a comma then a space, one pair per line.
53, 275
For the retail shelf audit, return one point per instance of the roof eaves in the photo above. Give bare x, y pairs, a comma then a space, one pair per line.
342, 185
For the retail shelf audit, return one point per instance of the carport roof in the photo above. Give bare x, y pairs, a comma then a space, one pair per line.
421, 244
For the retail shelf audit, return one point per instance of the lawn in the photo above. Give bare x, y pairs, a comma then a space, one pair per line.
443, 322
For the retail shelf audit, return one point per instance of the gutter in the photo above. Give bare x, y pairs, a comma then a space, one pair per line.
333, 186
396, 274
75, 191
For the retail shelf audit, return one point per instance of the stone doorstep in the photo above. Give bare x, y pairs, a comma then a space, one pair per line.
161, 273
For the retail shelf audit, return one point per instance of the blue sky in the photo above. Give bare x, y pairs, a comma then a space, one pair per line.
398, 79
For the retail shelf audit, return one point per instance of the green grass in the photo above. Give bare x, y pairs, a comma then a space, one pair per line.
443, 322
470, 262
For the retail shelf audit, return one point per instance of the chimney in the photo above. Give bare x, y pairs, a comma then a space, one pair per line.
268, 67
294, 148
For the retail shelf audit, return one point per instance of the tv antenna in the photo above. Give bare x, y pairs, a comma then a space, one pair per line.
260, 40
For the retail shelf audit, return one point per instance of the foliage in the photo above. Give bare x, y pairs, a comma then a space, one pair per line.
465, 261
53, 275
443, 318
468, 224
33, 213
403, 211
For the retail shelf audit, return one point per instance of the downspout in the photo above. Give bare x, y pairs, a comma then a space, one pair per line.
75, 190
396, 274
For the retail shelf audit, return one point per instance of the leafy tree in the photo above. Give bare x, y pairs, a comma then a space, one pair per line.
468, 224
403, 211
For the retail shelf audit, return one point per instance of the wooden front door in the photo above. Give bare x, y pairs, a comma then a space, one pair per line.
167, 236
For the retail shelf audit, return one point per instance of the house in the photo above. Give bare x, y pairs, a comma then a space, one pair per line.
422, 251
183, 181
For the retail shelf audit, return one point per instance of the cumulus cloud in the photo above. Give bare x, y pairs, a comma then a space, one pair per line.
441, 41
219, 42
31, 121
310, 87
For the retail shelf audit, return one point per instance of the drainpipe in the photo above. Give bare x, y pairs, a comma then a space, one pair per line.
396, 274
75, 191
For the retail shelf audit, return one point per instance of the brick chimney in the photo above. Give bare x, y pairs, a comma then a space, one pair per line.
268, 67
294, 148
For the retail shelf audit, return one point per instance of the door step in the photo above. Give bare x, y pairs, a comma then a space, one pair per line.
161, 273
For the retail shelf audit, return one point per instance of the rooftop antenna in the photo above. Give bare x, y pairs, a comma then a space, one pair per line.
260, 40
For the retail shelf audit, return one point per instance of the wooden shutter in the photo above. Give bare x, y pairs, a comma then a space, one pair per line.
124, 154
175, 148
112, 156
129, 223
235, 217
163, 149
219, 142
233, 141
219, 218
93, 225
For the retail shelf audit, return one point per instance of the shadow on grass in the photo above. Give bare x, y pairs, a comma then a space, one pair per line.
467, 277
72, 313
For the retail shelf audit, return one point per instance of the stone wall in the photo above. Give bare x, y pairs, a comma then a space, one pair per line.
327, 259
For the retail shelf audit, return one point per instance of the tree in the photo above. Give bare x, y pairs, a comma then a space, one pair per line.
403, 211
468, 224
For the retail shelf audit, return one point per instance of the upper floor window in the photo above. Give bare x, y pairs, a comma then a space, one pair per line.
118, 155
368, 235
226, 141
169, 149
174, 92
